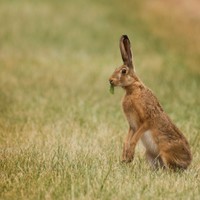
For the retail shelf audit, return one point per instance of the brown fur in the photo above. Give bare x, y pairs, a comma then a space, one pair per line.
165, 145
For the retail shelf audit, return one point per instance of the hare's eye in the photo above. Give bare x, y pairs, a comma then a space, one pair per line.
123, 71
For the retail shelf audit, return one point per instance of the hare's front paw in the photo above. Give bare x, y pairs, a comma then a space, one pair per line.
127, 156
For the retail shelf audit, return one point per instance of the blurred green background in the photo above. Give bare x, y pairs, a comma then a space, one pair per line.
61, 131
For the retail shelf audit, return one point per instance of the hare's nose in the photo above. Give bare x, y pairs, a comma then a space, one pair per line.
111, 81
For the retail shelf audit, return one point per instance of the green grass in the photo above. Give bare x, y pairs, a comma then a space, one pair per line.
61, 131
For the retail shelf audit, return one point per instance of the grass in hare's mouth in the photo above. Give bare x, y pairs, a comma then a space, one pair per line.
61, 131
112, 89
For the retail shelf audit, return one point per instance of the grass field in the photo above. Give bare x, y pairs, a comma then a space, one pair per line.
61, 131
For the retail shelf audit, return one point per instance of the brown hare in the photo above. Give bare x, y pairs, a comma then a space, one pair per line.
165, 145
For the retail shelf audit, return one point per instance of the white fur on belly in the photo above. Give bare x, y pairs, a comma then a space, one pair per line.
149, 142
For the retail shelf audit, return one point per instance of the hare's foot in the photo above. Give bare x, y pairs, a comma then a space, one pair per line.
128, 155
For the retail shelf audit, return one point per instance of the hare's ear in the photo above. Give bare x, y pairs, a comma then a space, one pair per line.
125, 48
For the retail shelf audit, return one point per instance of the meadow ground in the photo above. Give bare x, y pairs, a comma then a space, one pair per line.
61, 131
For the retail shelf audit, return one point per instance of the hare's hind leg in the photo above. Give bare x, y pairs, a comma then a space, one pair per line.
171, 162
177, 155
154, 160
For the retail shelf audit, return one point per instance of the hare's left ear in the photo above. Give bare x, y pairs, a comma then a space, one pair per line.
125, 48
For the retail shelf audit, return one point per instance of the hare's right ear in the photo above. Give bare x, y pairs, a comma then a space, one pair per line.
125, 48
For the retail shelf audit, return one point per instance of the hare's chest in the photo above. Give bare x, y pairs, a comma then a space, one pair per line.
130, 113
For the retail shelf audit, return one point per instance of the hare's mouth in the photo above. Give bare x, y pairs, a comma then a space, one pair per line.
116, 83
113, 82
113, 85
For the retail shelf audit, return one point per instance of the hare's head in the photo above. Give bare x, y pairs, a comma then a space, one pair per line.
124, 75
